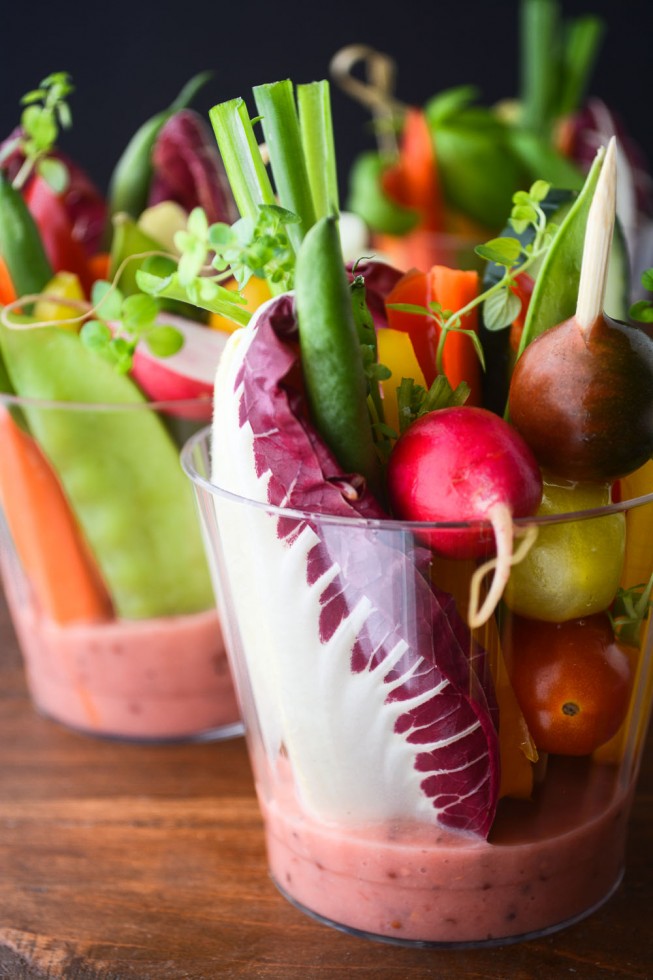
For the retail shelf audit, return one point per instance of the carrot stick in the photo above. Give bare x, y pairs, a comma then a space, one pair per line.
98, 266
47, 539
413, 180
453, 289
7, 291
516, 746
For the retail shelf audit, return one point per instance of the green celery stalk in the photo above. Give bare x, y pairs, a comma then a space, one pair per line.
276, 103
241, 157
583, 40
316, 128
539, 62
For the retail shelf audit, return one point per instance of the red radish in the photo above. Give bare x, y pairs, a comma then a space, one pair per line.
466, 464
188, 374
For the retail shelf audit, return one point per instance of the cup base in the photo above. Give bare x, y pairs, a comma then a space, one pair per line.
216, 733
456, 945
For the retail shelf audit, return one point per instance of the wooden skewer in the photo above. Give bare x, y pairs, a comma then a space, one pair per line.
598, 240
376, 93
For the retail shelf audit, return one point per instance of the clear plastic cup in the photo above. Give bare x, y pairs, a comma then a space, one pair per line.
104, 570
402, 793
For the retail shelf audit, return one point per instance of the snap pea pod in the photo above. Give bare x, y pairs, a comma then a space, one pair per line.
20, 243
331, 356
556, 287
120, 471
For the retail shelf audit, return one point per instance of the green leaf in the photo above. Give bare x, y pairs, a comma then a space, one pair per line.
503, 251
220, 234
647, 280
524, 212
500, 309
164, 340
197, 223
539, 190
139, 310
642, 311
95, 335
410, 308
55, 173
108, 298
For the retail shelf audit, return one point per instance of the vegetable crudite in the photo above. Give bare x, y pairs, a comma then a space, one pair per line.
104, 567
385, 544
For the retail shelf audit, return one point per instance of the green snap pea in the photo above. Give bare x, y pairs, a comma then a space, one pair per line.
130, 181
20, 243
331, 357
555, 293
120, 470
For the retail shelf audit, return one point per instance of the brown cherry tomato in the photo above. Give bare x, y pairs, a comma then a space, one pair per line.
572, 681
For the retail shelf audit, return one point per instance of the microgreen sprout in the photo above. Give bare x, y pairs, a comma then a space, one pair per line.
500, 304
629, 611
212, 254
137, 319
46, 112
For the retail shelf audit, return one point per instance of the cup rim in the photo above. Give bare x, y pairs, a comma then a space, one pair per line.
10, 399
390, 523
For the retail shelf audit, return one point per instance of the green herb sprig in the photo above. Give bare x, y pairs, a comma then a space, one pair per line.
137, 316
211, 254
46, 112
629, 611
500, 304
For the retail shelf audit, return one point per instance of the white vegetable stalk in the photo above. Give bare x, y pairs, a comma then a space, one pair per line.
598, 241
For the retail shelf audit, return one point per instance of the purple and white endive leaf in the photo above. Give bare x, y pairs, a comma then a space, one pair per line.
360, 669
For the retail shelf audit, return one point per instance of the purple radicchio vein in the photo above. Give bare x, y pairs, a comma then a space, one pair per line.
441, 674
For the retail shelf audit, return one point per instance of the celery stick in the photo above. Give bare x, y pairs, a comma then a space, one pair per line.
584, 36
241, 156
276, 103
316, 127
539, 62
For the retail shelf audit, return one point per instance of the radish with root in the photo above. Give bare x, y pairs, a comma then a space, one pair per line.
466, 465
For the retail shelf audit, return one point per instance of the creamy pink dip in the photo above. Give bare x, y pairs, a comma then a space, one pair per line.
151, 679
548, 862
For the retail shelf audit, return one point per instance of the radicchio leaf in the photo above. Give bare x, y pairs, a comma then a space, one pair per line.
84, 204
439, 680
187, 168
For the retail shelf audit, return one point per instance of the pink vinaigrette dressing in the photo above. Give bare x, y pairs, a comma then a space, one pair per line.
546, 863
152, 679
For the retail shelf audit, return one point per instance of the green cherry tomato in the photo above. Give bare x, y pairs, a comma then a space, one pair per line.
574, 567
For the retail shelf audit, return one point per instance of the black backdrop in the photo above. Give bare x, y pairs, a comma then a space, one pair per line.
128, 60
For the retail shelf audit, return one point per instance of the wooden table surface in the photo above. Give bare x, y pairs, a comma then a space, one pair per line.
128, 862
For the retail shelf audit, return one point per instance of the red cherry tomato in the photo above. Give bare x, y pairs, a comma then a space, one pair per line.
572, 681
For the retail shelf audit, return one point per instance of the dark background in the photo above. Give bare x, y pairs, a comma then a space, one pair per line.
128, 61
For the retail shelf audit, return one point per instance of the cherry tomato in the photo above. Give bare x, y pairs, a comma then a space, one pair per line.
572, 681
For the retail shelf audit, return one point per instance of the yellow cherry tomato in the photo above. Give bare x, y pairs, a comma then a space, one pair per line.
574, 568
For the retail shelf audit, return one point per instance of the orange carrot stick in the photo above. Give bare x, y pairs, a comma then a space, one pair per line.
98, 266
453, 289
413, 180
7, 291
47, 539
